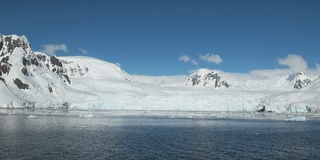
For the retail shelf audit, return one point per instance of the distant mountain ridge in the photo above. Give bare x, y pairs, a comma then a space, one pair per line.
211, 78
30, 79
206, 77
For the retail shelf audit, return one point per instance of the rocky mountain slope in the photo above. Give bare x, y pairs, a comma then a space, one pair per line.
206, 77
28, 77
301, 80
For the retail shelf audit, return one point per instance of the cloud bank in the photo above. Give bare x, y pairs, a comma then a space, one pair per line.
51, 49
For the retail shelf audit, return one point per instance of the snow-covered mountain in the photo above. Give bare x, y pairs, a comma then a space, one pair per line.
284, 82
206, 77
302, 80
30, 79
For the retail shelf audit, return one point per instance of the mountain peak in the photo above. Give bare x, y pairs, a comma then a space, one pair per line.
10, 42
206, 77
301, 80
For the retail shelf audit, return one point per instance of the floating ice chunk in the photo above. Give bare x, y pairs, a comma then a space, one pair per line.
86, 115
32, 116
297, 119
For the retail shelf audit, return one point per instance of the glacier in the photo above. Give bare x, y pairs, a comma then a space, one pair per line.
32, 79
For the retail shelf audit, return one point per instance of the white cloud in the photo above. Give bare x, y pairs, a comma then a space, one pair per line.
184, 58
211, 58
83, 51
294, 62
51, 49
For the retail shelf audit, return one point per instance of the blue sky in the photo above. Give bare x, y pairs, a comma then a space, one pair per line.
156, 37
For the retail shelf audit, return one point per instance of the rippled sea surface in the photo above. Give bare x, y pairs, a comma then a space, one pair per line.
69, 137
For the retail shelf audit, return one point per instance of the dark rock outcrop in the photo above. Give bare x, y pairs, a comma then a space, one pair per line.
302, 80
67, 78
55, 61
20, 84
12, 42
29, 59
50, 89
262, 109
5, 68
1, 44
5, 59
26, 62
301, 83
25, 71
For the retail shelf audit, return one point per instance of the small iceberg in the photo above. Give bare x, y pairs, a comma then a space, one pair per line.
32, 116
297, 119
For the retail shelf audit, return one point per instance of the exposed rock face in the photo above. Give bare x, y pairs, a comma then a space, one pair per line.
55, 61
25, 71
5, 68
20, 84
29, 58
261, 108
9, 43
205, 77
1, 43
302, 80
16, 56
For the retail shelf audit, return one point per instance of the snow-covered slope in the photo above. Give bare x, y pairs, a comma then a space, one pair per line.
31, 79
80, 66
285, 82
306, 99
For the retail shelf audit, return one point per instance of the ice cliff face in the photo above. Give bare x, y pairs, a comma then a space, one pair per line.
206, 77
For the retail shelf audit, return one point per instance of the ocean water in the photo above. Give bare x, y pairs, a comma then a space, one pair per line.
72, 137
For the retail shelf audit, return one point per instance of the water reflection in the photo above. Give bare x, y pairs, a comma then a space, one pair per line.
72, 137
